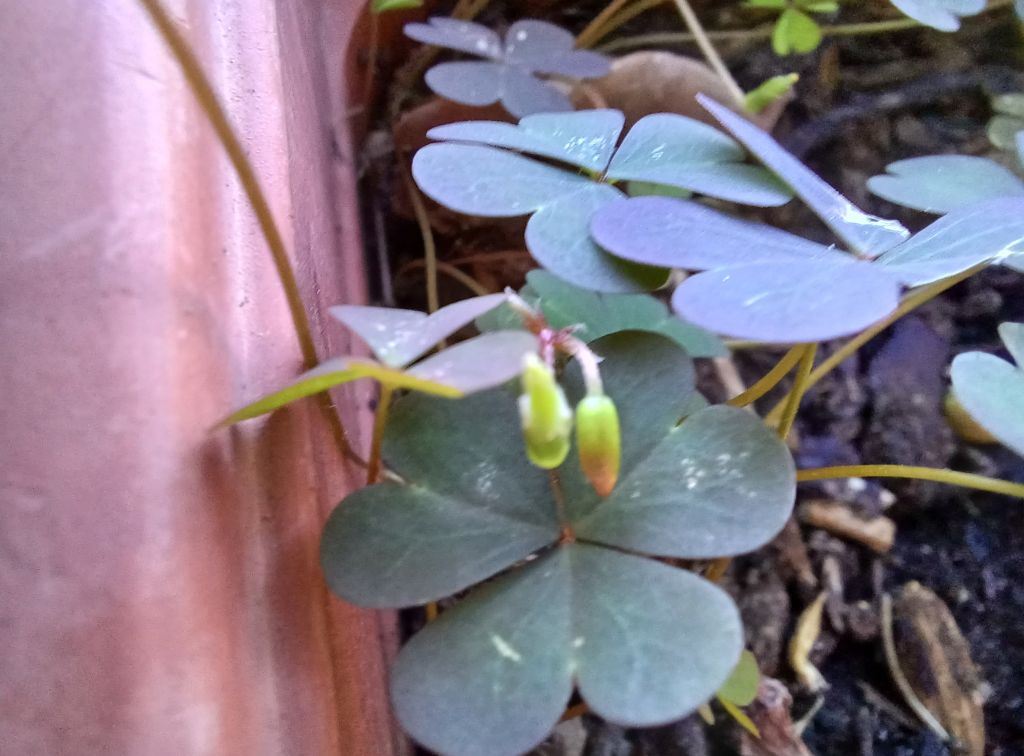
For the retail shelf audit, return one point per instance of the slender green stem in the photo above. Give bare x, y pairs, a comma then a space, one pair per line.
204, 94
952, 477
663, 39
426, 232
911, 302
463, 278
449, 270
568, 535
474, 9
372, 61
735, 345
380, 421
709, 51
595, 30
577, 710
800, 386
628, 14
770, 380
869, 27
588, 362
716, 570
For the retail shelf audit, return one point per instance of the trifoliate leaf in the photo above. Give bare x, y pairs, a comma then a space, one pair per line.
507, 76
646, 643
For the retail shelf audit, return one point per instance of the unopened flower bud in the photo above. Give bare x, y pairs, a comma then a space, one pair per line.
597, 438
545, 415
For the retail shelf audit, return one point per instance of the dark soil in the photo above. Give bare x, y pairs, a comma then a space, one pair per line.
862, 102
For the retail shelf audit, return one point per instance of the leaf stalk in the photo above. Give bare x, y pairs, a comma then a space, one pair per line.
707, 47
800, 386
770, 380
937, 475
380, 421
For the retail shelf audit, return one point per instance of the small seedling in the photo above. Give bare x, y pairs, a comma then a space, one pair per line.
509, 73
475, 171
759, 98
738, 691
795, 30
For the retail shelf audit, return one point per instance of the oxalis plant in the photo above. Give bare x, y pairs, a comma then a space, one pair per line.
571, 542
579, 600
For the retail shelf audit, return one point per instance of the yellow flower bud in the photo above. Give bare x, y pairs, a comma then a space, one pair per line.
545, 414
597, 437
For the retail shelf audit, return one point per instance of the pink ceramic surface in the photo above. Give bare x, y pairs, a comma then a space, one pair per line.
160, 591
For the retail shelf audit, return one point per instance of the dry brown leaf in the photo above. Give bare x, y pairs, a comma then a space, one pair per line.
661, 82
770, 713
808, 628
793, 557
877, 533
936, 660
